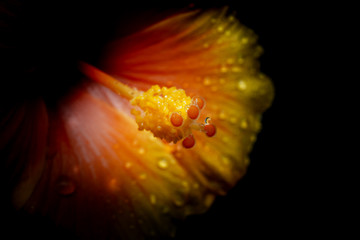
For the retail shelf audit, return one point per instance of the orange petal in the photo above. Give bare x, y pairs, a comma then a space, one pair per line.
102, 167
23, 146
210, 55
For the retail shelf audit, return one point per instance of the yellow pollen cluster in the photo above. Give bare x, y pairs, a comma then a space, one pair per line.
154, 109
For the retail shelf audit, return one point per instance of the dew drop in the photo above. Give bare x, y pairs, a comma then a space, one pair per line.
163, 164
220, 28
128, 165
209, 199
185, 184
253, 138
222, 115
214, 88
241, 85
244, 124
207, 81
152, 199
165, 209
179, 202
240, 60
230, 61
233, 120
257, 125
141, 150
223, 69
142, 176
65, 186
113, 185
225, 160
246, 160
225, 139
236, 69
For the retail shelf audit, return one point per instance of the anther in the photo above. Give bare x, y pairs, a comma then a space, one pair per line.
210, 130
198, 101
193, 112
188, 142
176, 119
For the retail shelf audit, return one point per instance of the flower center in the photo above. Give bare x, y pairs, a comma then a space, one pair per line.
168, 113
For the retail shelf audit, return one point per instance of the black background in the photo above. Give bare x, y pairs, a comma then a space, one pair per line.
274, 199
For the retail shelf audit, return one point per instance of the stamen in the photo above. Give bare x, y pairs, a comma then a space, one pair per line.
176, 119
188, 142
108, 81
193, 112
167, 112
199, 102
210, 130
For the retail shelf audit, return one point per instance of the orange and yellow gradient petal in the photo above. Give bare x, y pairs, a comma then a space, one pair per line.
105, 176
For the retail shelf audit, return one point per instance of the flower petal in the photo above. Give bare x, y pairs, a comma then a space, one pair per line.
210, 55
24, 129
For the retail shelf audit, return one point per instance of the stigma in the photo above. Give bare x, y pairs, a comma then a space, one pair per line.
168, 113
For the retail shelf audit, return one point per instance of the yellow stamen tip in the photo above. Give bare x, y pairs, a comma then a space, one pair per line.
156, 112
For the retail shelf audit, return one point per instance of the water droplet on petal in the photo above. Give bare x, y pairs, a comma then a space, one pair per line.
128, 165
244, 124
163, 164
209, 199
141, 150
65, 185
225, 139
233, 120
178, 202
222, 116
244, 40
207, 81
241, 85
223, 69
152, 199
185, 185
247, 161
165, 209
225, 160
142, 176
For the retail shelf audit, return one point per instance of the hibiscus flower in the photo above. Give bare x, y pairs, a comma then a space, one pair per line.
153, 132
